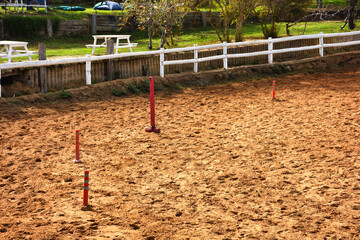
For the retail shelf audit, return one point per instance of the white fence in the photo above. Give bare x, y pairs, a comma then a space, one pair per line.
270, 52
225, 56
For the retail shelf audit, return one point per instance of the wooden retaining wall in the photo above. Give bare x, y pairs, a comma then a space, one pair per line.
107, 23
73, 27
104, 24
70, 75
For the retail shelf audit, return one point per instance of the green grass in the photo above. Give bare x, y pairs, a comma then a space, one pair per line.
326, 3
331, 3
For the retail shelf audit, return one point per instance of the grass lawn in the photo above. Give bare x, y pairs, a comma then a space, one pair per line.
332, 3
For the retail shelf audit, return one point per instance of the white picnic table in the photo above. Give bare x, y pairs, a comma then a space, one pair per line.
13, 49
117, 43
17, 4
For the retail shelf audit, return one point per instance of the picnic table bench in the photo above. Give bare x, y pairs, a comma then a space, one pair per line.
17, 4
11, 49
117, 44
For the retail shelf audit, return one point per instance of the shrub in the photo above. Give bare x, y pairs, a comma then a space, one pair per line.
29, 26
145, 86
271, 31
118, 93
133, 88
65, 94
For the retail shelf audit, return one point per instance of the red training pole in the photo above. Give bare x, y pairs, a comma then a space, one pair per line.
152, 108
273, 91
86, 189
152, 102
77, 151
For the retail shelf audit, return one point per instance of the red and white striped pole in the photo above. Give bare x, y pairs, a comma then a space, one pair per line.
273, 91
152, 108
86, 189
77, 149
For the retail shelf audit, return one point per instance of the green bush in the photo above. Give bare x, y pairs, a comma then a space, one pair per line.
133, 88
271, 31
145, 86
65, 94
28, 26
118, 93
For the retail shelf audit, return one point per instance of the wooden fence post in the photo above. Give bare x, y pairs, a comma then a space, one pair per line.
93, 24
203, 18
50, 32
110, 62
2, 28
43, 72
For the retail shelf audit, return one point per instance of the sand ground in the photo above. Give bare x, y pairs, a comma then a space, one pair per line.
229, 163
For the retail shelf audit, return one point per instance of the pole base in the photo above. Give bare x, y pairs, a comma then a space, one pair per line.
153, 129
86, 208
77, 161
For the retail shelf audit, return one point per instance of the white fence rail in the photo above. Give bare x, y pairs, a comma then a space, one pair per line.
225, 55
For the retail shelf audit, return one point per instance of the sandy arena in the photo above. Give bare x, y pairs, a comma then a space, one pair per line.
229, 163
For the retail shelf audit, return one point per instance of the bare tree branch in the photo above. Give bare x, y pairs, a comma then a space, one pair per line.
322, 15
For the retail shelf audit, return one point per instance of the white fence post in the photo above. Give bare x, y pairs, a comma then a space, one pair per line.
196, 56
270, 48
225, 60
88, 70
162, 59
45, 6
321, 43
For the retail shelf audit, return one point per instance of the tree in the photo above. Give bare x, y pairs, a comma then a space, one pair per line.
273, 11
294, 11
159, 17
319, 3
240, 11
221, 24
230, 12
268, 14
350, 14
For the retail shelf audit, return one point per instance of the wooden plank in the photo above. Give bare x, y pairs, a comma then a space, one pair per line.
93, 24
109, 62
49, 28
43, 74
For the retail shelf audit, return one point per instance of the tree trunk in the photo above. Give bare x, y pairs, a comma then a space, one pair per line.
319, 4
150, 25
226, 35
150, 33
350, 16
239, 26
163, 38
